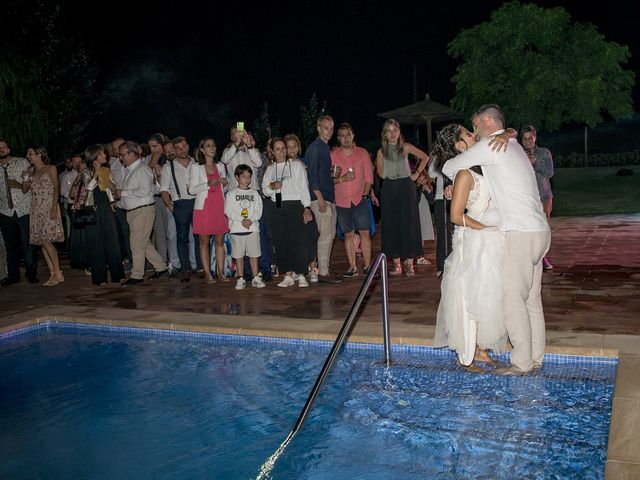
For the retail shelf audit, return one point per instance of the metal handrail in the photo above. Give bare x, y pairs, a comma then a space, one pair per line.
379, 263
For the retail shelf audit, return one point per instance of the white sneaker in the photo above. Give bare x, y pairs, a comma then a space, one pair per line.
295, 276
302, 282
287, 281
241, 283
313, 276
257, 283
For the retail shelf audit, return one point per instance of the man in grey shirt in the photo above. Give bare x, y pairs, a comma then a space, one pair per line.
543, 167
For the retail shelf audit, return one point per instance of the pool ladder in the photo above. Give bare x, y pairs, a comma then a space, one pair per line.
380, 263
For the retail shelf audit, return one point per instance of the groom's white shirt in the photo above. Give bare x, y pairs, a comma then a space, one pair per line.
512, 182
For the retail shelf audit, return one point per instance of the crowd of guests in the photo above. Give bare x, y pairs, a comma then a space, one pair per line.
248, 214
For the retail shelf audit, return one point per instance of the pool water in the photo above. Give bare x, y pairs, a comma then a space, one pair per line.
102, 402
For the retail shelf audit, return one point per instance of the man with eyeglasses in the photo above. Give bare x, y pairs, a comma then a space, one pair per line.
137, 199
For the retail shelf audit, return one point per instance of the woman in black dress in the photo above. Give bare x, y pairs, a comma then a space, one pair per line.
101, 239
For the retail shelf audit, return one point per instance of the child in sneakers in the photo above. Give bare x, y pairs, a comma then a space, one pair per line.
243, 208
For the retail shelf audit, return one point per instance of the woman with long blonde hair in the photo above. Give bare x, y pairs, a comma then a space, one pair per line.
401, 236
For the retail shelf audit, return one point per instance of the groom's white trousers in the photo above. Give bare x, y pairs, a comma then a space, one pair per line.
522, 301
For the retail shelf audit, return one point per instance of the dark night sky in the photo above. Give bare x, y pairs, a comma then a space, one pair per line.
181, 68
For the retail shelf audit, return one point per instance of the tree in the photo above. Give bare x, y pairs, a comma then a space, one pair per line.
47, 79
308, 116
263, 130
23, 120
541, 68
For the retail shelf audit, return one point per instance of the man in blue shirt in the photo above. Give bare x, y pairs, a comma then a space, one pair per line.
318, 160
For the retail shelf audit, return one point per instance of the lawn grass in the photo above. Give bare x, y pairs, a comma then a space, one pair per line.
595, 190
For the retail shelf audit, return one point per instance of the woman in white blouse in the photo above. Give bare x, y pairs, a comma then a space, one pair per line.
293, 229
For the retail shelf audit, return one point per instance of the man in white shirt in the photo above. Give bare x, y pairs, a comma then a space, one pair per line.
242, 151
137, 199
527, 236
118, 172
173, 188
15, 207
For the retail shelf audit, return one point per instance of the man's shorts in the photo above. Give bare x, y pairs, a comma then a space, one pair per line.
356, 217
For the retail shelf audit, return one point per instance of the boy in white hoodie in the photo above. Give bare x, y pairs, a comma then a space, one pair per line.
243, 208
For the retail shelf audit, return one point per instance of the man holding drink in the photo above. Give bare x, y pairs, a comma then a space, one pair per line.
352, 190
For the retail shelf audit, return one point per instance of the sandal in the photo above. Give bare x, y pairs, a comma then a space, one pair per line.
55, 279
408, 265
397, 271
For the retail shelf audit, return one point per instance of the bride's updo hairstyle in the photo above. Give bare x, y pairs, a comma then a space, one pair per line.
444, 147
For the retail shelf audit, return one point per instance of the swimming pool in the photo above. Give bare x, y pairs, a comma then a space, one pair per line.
102, 402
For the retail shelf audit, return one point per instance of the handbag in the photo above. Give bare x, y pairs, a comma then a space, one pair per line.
83, 217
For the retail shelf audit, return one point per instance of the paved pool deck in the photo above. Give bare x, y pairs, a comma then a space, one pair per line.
591, 300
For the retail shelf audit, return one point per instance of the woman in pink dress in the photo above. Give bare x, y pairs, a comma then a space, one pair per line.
45, 224
207, 181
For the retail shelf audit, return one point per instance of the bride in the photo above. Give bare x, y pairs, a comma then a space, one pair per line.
470, 318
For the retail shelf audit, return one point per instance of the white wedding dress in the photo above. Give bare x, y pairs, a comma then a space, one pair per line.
470, 310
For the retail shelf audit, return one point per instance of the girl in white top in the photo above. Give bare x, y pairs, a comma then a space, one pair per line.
289, 178
285, 183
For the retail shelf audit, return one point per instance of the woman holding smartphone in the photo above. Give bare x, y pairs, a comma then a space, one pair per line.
207, 180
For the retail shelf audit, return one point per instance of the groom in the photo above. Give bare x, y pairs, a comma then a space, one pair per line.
527, 236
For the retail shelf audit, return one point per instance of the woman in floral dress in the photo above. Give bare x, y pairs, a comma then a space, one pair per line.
45, 223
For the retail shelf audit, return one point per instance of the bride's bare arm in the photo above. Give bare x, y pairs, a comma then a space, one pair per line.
461, 188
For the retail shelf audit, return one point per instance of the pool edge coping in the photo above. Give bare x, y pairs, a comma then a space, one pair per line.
591, 351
